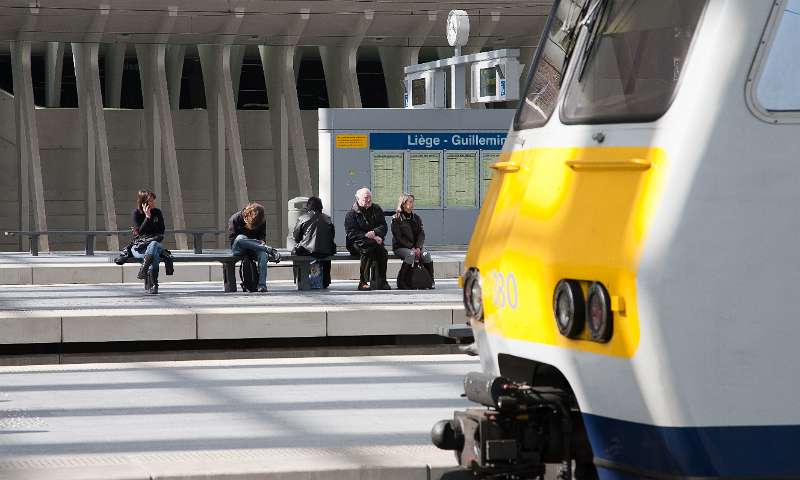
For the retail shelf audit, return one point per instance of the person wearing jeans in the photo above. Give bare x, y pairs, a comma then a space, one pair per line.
148, 233
247, 232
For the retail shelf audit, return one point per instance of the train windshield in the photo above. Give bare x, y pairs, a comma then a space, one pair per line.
550, 62
630, 64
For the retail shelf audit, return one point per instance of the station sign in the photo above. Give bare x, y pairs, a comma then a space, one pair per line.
437, 141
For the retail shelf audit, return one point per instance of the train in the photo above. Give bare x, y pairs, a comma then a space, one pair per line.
630, 280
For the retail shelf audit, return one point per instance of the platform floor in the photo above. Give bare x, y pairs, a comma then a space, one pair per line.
342, 418
201, 311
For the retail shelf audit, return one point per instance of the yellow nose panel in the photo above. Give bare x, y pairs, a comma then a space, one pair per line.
577, 213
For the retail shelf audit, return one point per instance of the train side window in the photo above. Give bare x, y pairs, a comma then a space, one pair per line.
549, 64
628, 68
777, 87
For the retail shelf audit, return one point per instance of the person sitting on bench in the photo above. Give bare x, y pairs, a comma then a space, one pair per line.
365, 229
148, 233
247, 232
408, 237
313, 235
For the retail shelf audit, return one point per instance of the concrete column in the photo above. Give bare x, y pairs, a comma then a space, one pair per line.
237, 58
216, 127
115, 64
339, 63
232, 138
175, 56
87, 72
279, 133
280, 66
223, 124
151, 119
298, 59
30, 165
279, 76
222, 121
153, 64
395, 59
54, 73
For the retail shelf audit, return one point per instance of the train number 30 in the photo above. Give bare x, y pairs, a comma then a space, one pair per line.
506, 293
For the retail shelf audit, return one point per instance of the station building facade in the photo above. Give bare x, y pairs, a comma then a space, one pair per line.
209, 103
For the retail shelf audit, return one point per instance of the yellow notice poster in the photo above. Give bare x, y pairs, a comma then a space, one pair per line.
352, 140
387, 178
423, 179
461, 178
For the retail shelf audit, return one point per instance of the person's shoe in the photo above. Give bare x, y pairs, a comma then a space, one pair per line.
363, 286
262, 289
153, 290
385, 286
148, 260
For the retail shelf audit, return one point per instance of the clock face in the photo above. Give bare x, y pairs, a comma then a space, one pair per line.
457, 28
452, 29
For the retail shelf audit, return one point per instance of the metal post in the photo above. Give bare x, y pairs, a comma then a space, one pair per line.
35, 244
90, 244
198, 242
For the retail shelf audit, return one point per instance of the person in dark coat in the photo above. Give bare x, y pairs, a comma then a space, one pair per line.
148, 232
408, 235
247, 232
313, 235
365, 228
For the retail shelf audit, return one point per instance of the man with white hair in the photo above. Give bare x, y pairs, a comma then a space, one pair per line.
365, 227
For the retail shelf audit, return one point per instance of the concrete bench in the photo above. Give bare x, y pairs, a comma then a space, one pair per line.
301, 263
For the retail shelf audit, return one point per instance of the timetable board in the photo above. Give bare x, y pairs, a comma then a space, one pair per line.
396, 151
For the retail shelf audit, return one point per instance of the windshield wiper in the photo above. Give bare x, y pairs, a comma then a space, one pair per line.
571, 40
592, 24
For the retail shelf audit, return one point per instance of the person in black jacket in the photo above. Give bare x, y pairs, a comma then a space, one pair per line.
408, 235
247, 232
313, 235
365, 229
148, 232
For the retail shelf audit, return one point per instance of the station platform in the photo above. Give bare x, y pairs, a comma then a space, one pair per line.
76, 268
119, 312
346, 418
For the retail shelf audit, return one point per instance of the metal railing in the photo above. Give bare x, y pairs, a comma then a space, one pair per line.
91, 235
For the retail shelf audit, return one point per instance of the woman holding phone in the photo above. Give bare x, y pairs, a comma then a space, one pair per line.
148, 234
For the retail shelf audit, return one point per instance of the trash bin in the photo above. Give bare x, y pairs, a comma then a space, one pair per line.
295, 208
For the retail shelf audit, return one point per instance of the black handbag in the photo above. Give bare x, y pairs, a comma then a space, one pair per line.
414, 277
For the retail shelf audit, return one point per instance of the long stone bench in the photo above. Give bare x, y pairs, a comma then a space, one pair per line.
58, 268
301, 263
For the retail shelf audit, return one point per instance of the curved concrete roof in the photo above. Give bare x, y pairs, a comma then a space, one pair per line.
260, 22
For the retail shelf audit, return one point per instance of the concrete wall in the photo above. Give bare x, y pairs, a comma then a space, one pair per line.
63, 168
9, 174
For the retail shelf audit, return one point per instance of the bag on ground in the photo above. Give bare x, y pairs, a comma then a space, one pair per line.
248, 273
414, 277
308, 276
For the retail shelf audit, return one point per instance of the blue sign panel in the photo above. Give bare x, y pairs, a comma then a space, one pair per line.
437, 141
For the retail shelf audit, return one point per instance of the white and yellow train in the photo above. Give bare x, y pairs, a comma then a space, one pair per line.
632, 277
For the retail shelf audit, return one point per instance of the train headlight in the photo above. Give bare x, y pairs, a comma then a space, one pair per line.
569, 308
599, 314
473, 294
